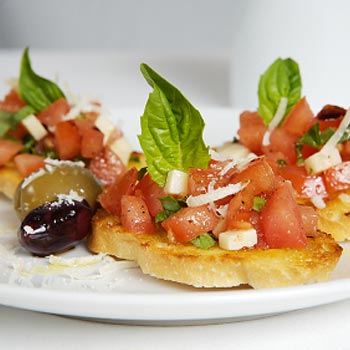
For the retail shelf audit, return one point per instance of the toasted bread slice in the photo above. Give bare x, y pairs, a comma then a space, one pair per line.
10, 178
215, 267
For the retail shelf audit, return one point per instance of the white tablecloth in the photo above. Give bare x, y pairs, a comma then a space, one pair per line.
114, 78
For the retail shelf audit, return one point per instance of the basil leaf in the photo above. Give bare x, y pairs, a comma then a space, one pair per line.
314, 137
171, 130
258, 203
170, 205
281, 79
36, 91
10, 121
204, 241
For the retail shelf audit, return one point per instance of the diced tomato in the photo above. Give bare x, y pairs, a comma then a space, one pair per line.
306, 185
256, 223
190, 222
19, 132
107, 166
337, 178
251, 131
53, 114
345, 151
91, 138
150, 192
8, 149
281, 220
12, 102
67, 140
299, 119
309, 217
238, 211
135, 216
28, 163
110, 199
282, 141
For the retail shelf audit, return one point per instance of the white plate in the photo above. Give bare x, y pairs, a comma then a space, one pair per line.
100, 288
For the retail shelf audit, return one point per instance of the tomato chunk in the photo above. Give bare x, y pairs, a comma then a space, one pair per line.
150, 192
135, 215
190, 222
107, 166
8, 149
28, 163
67, 140
281, 220
337, 178
110, 199
54, 113
12, 102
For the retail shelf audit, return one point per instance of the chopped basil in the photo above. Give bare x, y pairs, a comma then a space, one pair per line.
281, 162
258, 203
204, 241
10, 121
171, 206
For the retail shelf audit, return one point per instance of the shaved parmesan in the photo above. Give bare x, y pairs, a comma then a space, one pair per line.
280, 112
214, 194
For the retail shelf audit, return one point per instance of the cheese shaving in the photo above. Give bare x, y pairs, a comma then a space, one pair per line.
280, 112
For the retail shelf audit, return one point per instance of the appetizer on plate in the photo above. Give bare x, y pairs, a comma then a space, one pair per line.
311, 151
205, 218
58, 151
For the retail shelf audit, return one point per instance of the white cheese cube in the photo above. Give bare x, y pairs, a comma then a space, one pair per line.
176, 182
34, 127
237, 239
106, 126
321, 161
122, 148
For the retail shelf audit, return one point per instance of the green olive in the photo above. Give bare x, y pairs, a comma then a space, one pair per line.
46, 184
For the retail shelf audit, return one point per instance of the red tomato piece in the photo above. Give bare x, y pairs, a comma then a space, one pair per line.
28, 163
91, 138
307, 186
53, 114
67, 140
150, 192
252, 130
107, 166
345, 151
135, 216
309, 217
12, 102
300, 119
337, 178
110, 199
188, 223
8, 149
281, 220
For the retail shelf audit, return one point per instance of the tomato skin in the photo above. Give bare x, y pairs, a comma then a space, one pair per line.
135, 216
252, 130
307, 186
337, 178
8, 149
54, 113
309, 218
67, 140
110, 199
107, 166
28, 163
150, 192
281, 220
12, 102
190, 222
300, 119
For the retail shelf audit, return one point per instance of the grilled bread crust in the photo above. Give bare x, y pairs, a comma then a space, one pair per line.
10, 178
215, 267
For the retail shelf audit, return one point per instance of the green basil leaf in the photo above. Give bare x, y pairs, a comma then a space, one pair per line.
171, 130
35, 90
314, 137
281, 79
170, 205
258, 203
204, 241
10, 121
